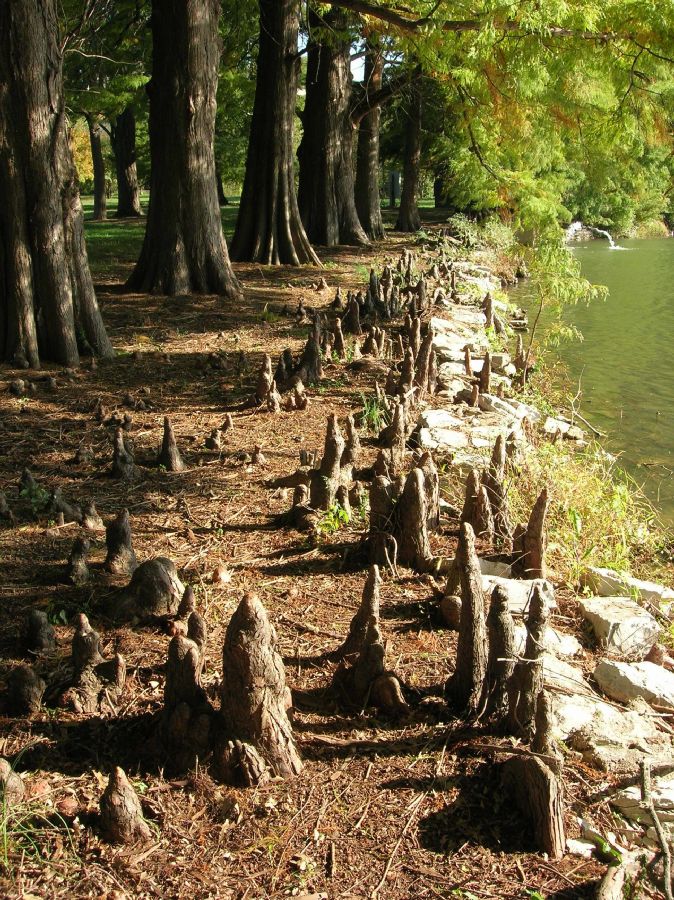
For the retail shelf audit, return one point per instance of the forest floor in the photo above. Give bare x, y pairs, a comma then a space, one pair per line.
390, 809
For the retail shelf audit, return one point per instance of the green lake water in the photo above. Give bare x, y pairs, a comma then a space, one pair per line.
625, 361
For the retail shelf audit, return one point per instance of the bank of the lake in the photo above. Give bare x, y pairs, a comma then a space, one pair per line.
623, 363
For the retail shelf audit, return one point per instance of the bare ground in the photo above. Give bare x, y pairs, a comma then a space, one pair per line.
389, 809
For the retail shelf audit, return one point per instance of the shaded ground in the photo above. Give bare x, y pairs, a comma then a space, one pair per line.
402, 809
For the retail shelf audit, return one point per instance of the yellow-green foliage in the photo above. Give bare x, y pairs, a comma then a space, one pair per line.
596, 514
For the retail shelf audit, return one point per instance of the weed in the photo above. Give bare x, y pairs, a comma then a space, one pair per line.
37, 496
25, 831
333, 519
597, 516
374, 416
268, 315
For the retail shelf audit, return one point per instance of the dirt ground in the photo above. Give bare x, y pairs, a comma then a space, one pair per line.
404, 809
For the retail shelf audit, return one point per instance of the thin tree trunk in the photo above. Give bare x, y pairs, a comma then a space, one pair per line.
326, 192
368, 203
100, 198
46, 293
222, 198
124, 146
408, 216
269, 228
184, 248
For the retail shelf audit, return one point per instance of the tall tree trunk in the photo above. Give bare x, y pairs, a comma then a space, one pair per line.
326, 192
408, 216
222, 198
124, 146
269, 228
184, 248
100, 198
47, 298
368, 203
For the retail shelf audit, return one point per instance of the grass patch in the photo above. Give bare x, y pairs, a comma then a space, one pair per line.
597, 515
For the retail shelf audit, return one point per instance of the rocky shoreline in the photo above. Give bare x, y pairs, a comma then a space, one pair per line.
614, 702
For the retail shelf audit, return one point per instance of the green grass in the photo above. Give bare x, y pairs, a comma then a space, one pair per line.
113, 246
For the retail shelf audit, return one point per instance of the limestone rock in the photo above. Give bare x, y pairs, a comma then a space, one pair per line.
519, 590
625, 682
629, 804
609, 583
621, 625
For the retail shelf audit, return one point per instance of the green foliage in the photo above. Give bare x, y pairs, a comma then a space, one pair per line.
37, 496
333, 519
26, 831
374, 416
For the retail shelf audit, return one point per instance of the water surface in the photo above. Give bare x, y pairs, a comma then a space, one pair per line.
625, 363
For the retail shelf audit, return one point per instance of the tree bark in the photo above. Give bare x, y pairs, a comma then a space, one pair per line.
408, 215
368, 204
326, 193
184, 249
47, 299
269, 228
123, 141
100, 198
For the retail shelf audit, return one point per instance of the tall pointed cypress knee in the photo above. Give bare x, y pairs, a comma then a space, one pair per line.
255, 699
466, 686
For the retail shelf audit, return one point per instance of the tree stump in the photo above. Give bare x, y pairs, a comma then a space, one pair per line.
90, 518
535, 539
483, 518
412, 515
154, 592
527, 678
169, 456
254, 695
431, 490
77, 571
405, 385
485, 373
122, 819
544, 723
367, 682
351, 319
494, 482
501, 660
369, 607
214, 440
25, 689
394, 435
58, 505
538, 793
264, 382
327, 478
96, 682
38, 634
12, 788
273, 399
187, 714
423, 364
123, 465
6, 513
466, 686
382, 541
350, 458
339, 345
467, 361
120, 559
470, 500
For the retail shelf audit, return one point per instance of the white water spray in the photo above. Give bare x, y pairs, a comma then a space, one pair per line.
575, 227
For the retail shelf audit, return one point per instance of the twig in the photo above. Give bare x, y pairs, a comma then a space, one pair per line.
647, 797
416, 803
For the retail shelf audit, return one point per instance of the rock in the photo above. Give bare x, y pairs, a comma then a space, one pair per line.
629, 804
440, 429
499, 361
610, 739
519, 590
609, 583
621, 624
557, 643
625, 682
12, 788
553, 426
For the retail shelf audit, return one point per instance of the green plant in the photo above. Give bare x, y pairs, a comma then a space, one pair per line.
374, 416
268, 315
26, 831
333, 519
37, 496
